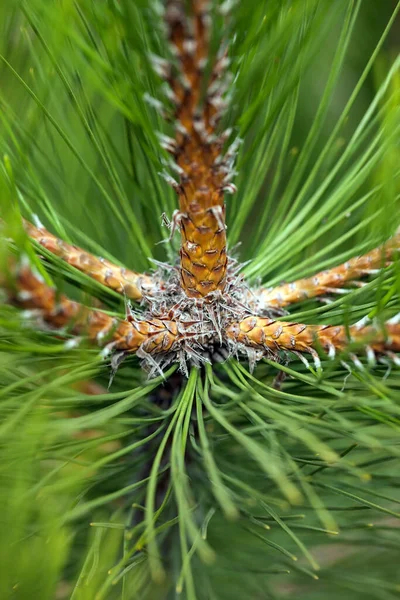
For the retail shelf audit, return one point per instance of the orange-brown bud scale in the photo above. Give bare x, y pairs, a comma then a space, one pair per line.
203, 254
112, 276
331, 279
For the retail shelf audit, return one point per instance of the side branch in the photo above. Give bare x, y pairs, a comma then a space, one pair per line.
329, 281
60, 313
267, 335
119, 279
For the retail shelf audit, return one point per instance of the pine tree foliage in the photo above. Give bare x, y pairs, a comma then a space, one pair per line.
270, 484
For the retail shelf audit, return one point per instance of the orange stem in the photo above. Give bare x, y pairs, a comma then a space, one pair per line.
266, 334
59, 312
329, 280
112, 276
197, 152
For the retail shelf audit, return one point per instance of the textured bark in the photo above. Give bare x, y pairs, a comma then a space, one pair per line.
119, 279
59, 312
329, 280
267, 334
197, 152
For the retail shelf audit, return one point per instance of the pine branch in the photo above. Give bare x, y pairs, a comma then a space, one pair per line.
212, 480
331, 280
122, 280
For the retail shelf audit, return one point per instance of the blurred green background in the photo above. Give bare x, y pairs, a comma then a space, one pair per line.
79, 148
